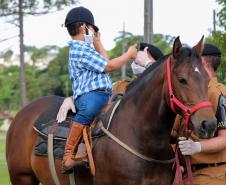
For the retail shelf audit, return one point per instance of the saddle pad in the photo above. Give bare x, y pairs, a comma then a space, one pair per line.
41, 147
44, 123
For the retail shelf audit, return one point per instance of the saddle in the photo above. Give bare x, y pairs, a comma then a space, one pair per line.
46, 123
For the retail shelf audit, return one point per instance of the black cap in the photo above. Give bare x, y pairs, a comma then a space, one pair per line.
211, 50
154, 51
80, 14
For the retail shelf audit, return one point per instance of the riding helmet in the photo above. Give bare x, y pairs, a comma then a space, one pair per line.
211, 50
154, 51
80, 14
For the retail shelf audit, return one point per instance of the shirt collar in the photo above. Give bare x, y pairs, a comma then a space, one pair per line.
72, 42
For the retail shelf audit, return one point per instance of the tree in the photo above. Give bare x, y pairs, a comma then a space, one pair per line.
17, 9
6, 55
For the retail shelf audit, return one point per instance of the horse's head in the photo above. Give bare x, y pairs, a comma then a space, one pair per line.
190, 88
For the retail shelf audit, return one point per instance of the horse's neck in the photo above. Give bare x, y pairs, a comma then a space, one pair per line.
144, 118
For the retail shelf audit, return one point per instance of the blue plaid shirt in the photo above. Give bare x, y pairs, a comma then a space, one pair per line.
86, 69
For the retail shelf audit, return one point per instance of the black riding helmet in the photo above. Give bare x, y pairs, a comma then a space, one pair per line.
80, 14
154, 51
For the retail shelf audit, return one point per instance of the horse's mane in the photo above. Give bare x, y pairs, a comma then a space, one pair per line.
149, 71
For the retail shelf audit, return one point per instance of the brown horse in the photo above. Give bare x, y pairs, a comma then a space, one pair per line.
143, 121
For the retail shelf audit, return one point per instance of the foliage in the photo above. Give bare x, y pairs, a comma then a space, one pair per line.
32, 7
218, 38
222, 14
164, 42
6, 55
9, 78
4, 175
41, 53
50, 81
54, 80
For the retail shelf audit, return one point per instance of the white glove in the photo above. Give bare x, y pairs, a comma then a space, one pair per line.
143, 59
189, 147
137, 69
67, 105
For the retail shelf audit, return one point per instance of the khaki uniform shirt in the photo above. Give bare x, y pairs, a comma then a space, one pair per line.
215, 89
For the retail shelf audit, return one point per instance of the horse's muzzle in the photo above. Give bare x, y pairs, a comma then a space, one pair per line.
206, 129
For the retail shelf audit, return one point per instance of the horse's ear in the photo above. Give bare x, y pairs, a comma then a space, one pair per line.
199, 47
176, 47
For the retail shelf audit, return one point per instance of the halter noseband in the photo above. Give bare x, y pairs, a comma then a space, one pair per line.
174, 100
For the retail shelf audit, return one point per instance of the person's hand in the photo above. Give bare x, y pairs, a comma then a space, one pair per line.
143, 59
132, 51
189, 147
67, 105
96, 37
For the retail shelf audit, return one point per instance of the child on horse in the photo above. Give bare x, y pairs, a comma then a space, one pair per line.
88, 69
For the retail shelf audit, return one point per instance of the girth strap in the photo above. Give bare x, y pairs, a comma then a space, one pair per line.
51, 155
51, 158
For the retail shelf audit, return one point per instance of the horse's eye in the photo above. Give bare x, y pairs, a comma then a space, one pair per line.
182, 81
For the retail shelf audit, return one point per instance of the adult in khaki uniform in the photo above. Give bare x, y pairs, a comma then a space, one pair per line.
208, 155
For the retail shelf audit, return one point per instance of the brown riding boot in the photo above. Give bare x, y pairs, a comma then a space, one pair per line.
74, 137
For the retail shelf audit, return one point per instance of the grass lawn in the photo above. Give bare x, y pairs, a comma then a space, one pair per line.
4, 176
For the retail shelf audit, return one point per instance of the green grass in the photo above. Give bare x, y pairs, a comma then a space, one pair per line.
4, 176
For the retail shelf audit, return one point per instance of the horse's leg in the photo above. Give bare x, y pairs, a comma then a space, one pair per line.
17, 154
23, 179
42, 172
41, 166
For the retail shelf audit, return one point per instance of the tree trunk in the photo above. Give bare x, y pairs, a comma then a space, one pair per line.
148, 21
23, 89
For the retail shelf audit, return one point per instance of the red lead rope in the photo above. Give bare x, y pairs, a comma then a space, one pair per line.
188, 112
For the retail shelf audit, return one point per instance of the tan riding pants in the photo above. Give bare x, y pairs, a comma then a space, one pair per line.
207, 176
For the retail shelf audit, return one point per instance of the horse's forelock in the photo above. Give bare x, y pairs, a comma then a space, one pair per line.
187, 53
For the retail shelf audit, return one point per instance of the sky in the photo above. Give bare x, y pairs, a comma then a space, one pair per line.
189, 19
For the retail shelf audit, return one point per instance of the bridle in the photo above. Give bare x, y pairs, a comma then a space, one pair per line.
188, 113
174, 100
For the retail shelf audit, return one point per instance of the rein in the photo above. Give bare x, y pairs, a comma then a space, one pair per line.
188, 113
128, 148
